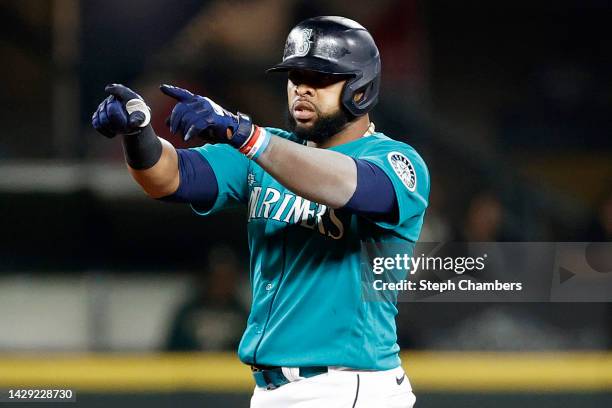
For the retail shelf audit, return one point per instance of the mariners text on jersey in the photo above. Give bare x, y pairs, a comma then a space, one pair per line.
289, 208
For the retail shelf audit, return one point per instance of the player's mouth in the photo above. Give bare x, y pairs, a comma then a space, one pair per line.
303, 111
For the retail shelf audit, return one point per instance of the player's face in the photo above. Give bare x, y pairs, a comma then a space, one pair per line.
312, 94
314, 104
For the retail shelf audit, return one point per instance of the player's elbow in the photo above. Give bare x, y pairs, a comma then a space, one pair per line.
157, 193
339, 193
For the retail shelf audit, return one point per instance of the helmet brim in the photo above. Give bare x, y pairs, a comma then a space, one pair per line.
309, 63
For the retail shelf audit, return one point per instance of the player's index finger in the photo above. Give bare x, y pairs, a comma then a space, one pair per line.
122, 93
177, 93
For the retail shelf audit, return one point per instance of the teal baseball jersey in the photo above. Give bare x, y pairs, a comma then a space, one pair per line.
305, 260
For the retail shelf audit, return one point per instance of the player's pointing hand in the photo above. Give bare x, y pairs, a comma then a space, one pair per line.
195, 115
124, 112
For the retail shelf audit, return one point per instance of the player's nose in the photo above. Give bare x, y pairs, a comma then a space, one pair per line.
304, 89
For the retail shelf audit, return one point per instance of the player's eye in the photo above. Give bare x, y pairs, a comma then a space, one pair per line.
314, 79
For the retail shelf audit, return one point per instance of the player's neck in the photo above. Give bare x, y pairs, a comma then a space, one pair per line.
354, 130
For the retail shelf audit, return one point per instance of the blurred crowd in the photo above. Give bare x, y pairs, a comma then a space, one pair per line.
528, 126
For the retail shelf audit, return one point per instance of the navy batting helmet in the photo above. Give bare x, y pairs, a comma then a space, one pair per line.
336, 45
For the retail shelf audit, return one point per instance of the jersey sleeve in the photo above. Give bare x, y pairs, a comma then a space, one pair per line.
230, 168
409, 176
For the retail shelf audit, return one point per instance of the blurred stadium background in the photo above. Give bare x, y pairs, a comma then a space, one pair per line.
134, 302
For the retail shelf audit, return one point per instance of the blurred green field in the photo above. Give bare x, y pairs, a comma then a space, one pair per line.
440, 379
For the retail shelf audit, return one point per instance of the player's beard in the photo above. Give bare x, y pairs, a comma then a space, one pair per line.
324, 127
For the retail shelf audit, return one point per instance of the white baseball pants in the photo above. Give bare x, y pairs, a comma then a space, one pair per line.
341, 388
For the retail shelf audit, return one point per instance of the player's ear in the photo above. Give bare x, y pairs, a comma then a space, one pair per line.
358, 96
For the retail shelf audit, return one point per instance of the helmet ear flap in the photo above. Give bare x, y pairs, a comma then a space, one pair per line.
367, 100
368, 93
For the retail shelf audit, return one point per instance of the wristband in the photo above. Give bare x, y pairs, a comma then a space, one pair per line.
257, 142
143, 149
265, 138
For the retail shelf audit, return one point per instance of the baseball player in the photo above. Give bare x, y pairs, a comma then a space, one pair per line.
315, 194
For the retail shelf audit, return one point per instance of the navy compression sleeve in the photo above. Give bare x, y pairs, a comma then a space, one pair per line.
374, 195
198, 184
142, 150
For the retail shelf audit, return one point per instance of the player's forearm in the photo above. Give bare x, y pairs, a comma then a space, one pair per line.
162, 178
320, 175
152, 161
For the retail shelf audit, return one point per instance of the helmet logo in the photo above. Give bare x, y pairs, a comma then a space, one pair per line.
304, 42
